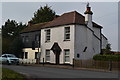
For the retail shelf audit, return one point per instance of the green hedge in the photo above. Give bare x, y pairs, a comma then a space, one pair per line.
107, 57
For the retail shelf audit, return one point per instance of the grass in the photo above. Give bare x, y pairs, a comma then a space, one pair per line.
11, 75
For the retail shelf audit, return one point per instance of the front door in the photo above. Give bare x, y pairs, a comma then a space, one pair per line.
57, 55
56, 49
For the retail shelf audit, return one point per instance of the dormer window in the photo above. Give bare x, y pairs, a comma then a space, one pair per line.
67, 33
47, 35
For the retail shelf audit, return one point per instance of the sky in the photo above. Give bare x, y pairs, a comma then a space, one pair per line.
104, 13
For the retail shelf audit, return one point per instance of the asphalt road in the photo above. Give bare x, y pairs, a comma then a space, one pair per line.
49, 72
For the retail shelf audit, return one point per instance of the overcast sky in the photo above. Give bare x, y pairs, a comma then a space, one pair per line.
104, 13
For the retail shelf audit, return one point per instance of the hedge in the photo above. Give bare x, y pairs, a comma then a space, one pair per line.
107, 57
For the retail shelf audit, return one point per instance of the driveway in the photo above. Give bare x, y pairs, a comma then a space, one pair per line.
49, 72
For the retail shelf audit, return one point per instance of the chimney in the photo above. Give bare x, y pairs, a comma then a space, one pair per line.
56, 16
88, 16
30, 23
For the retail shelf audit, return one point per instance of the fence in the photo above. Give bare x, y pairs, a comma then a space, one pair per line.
27, 61
97, 64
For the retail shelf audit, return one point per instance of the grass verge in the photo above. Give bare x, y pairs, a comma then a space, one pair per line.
11, 75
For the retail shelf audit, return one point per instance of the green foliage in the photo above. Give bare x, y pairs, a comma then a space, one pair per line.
43, 14
107, 50
10, 31
16, 46
107, 57
11, 75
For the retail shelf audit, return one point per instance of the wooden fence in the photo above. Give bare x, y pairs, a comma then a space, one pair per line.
111, 65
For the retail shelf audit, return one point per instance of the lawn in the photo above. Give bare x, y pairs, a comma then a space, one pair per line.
11, 75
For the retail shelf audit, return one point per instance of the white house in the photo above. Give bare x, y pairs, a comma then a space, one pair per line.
70, 36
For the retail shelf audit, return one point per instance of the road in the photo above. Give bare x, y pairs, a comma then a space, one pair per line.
49, 72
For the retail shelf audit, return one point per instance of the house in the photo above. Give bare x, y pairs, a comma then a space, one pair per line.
69, 36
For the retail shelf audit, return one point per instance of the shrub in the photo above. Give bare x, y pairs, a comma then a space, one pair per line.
107, 57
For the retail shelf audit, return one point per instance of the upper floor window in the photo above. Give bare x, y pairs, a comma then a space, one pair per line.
23, 39
67, 33
37, 37
47, 35
26, 38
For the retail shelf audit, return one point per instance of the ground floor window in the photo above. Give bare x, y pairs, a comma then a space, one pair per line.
67, 55
36, 53
47, 55
26, 55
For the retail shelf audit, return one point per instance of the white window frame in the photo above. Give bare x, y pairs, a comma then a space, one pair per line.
66, 55
47, 35
66, 33
47, 55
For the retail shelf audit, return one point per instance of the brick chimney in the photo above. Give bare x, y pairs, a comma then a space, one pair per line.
30, 23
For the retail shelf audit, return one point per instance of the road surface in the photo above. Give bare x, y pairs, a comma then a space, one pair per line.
50, 72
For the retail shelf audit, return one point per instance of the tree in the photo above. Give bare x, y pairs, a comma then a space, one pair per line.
10, 31
16, 46
43, 14
107, 50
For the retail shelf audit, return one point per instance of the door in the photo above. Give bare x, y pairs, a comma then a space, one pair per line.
57, 58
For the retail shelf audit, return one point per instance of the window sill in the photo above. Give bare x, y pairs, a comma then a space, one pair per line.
66, 40
66, 62
47, 41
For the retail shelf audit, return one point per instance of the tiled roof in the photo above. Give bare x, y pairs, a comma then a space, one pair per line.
34, 27
67, 18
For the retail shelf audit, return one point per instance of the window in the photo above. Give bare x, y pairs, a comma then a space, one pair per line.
67, 33
78, 55
47, 35
67, 55
36, 53
26, 55
47, 55
23, 39
26, 39
37, 36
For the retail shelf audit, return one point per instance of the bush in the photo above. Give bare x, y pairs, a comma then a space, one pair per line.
107, 57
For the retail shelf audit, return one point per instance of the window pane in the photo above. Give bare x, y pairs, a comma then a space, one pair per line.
67, 36
26, 55
47, 55
67, 52
67, 59
36, 55
37, 37
47, 58
47, 35
67, 32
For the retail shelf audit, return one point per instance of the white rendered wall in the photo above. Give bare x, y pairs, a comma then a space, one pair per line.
97, 32
31, 53
57, 35
84, 38
104, 42
96, 46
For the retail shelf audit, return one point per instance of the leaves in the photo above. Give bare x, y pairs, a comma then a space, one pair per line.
43, 14
10, 37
